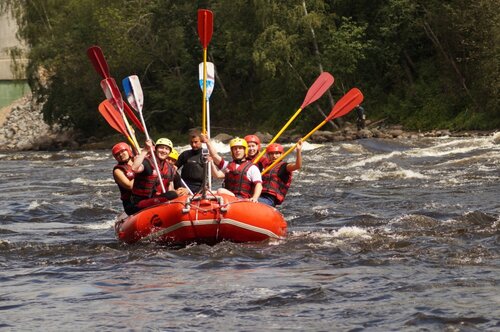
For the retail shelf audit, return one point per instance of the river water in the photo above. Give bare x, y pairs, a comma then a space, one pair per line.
384, 235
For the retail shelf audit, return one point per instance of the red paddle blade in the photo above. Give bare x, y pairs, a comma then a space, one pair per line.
98, 61
205, 26
131, 115
112, 92
318, 88
112, 117
346, 104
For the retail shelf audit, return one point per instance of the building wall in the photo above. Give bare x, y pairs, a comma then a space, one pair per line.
11, 88
8, 29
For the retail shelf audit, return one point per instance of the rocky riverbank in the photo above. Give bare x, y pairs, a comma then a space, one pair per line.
22, 128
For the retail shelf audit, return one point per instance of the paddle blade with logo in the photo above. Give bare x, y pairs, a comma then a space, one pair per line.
133, 92
210, 77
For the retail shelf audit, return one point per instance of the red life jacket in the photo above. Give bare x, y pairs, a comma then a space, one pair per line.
237, 181
262, 163
167, 177
129, 173
145, 185
273, 185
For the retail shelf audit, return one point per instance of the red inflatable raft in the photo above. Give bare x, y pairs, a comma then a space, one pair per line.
198, 219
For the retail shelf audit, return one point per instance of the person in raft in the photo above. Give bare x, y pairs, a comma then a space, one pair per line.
123, 173
242, 178
172, 159
253, 151
190, 162
146, 190
276, 182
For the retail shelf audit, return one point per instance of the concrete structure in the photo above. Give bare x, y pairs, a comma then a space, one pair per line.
11, 87
8, 29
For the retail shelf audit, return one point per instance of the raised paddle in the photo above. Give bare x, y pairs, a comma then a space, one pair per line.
206, 74
343, 106
98, 61
210, 81
317, 89
113, 118
101, 66
205, 30
135, 97
113, 94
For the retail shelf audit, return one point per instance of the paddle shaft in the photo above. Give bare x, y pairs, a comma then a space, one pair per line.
151, 151
137, 96
204, 106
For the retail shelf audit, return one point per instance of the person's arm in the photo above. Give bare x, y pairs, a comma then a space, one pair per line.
290, 167
216, 172
254, 175
256, 192
122, 180
211, 149
181, 160
137, 166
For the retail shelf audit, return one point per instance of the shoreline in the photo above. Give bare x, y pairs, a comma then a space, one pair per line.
22, 129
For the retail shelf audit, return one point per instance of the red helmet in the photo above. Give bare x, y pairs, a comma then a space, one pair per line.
253, 138
119, 147
275, 147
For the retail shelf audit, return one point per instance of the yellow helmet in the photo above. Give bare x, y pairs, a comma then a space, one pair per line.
165, 141
239, 142
174, 154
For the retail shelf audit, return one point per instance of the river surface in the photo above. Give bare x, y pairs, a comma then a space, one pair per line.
384, 235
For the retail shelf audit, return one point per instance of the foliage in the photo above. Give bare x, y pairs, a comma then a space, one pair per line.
424, 64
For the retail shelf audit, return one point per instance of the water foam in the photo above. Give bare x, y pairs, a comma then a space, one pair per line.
94, 183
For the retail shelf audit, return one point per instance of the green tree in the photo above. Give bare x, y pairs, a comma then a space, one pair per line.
425, 64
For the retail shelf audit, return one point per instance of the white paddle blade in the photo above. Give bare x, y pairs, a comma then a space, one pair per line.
127, 88
137, 91
133, 91
210, 77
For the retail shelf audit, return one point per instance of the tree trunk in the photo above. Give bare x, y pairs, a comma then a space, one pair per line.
320, 66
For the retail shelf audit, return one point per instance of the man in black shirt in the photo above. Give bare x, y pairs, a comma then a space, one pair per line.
191, 162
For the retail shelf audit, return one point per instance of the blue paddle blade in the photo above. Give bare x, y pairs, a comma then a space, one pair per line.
129, 93
127, 87
210, 78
